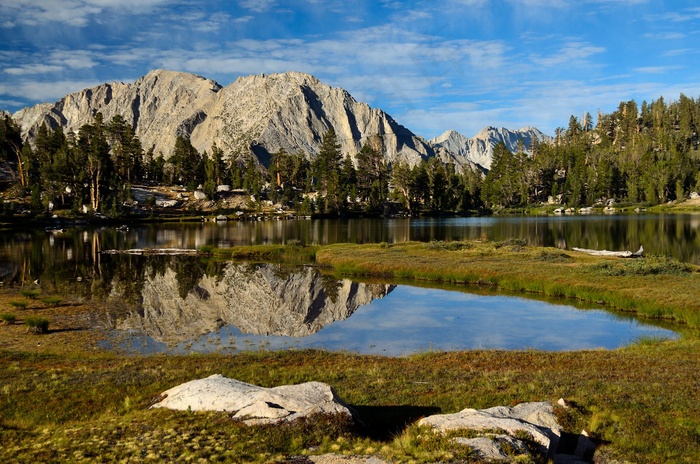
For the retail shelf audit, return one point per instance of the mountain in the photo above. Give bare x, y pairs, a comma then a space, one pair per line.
258, 300
453, 146
257, 114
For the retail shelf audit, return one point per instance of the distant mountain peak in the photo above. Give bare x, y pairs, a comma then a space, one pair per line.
453, 146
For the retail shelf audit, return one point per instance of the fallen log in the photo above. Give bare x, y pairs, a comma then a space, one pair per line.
154, 251
620, 254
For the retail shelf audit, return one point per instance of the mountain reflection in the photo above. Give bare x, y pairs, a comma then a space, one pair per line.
179, 305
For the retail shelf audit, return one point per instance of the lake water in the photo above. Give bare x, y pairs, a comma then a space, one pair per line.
225, 306
671, 235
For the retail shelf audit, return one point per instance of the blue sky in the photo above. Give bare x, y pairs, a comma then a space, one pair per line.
433, 65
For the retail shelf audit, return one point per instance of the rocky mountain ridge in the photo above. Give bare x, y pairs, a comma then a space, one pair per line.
259, 115
479, 149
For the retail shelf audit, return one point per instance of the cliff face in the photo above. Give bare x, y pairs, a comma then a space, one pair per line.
255, 114
257, 300
453, 146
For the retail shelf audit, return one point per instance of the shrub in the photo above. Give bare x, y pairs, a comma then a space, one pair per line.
19, 304
449, 246
606, 268
8, 318
294, 242
30, 293
515, 243
553, 256
37, 325
51, 301
655, 265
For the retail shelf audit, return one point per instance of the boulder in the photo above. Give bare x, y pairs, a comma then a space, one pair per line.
199, 195
491, 448
253, 404
167, 203
535, 419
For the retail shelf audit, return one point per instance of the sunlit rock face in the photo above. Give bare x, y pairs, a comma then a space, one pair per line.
455, 147
260, 300
258, 114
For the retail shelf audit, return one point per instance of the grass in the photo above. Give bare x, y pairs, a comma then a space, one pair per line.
641, 401
8, 318
653, 287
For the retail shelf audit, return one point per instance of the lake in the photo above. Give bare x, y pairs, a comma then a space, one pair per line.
385, 318
676, 235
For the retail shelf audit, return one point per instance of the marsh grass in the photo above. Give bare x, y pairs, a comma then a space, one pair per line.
81, 407
8, 318
291, 253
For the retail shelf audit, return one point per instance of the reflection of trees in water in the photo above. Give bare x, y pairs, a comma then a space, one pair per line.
330, 285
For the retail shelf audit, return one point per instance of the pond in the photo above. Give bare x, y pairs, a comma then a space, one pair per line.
174, 306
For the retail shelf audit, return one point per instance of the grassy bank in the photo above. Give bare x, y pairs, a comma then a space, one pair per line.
653, 287
640, 402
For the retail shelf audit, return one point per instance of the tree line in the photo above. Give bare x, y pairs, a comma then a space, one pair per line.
646, 154
634, 155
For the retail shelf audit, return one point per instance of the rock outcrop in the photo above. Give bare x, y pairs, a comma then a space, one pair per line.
536, 420
258, 114
259, 300
253, 404
455, 147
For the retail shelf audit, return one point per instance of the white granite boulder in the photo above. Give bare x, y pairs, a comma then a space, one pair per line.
535, 419
253, 404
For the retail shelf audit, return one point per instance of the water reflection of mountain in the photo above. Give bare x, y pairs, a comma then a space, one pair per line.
257, 299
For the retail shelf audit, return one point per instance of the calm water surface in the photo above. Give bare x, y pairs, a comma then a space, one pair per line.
671, 235
168, 304
413, 320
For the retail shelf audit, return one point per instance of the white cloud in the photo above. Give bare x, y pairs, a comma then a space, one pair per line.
243, 19
70, 12
32, 69
45, 91
685, 15
258, 6
573, 53
665, 36
657, 69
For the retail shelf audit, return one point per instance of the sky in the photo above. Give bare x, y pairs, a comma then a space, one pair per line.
433, 65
